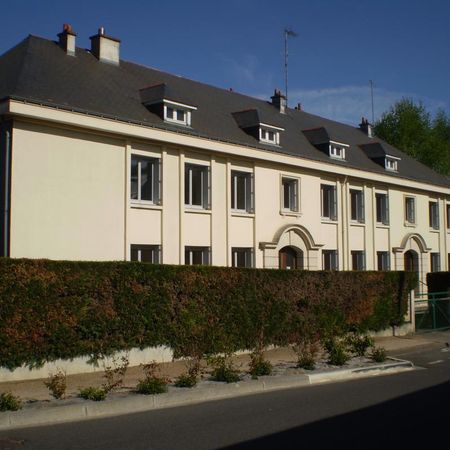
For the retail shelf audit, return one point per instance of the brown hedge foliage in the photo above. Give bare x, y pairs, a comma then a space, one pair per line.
64, 309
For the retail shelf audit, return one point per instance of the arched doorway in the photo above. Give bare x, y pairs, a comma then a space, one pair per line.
411, 264
290, 258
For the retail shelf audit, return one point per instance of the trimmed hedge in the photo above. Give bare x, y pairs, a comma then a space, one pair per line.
63, 309
438, 281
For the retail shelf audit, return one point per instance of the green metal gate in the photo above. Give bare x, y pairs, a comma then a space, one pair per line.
432, 311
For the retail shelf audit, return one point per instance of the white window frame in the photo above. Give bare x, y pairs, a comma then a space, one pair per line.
248, 254
391, 163
385, 212
139, 248
358, 214
334, 259
337, 150
294, 194
266, 130
447, 207
178, 107
385, 258
332, 205
433, 215
189, 255
410, 218
205, 186
248, 194
435, 262
359, 257
156, 174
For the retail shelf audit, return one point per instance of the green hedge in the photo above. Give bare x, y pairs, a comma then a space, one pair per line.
63, 309
438, 281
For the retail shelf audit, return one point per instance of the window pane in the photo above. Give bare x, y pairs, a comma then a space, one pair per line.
325, 202
197, 257
146, 180
197, 186
187, 189
286, 194
169, 113
180, 115
134, 178
241, 191
147, 255
134, 256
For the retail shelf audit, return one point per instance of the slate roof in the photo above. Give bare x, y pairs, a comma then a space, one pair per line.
38, 70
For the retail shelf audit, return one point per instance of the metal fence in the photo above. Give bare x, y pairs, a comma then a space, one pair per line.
432, 311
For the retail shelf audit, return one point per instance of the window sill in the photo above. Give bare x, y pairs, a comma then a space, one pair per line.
143, 205
382, 225
287, 212
355, 223
434, 230
410, 225
327, 220
237, 213
194, 210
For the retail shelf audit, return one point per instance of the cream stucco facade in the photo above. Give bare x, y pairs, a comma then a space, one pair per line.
70, 198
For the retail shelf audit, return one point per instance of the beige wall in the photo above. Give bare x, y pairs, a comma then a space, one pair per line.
70, 200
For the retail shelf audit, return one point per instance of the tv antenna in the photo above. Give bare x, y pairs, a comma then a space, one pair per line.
371, 96
287, 33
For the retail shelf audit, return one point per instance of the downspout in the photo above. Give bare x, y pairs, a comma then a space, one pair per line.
5, 166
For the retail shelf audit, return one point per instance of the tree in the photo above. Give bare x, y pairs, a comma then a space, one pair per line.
409, 127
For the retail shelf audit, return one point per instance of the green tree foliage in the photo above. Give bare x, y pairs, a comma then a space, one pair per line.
409, 127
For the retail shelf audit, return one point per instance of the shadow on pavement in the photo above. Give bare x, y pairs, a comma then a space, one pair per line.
418, 418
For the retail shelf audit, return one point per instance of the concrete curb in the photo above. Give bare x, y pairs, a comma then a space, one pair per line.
77, 409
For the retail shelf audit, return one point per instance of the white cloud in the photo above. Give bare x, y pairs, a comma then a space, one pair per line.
349, 103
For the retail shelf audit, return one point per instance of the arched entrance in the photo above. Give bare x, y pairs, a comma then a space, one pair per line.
290, 258
411, 264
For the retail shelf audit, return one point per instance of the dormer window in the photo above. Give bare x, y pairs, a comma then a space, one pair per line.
177, 113
269, 134
337, 150
391, 163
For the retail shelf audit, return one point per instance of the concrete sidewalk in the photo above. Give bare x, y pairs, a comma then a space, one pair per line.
40, 408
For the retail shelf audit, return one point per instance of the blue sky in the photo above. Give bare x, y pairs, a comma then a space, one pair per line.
402, 45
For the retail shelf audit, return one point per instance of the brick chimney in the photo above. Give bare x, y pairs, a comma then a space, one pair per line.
105, 48
279, 101
366, 127
67, 39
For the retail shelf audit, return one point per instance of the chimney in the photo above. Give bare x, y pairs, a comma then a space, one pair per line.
67, 39
299, 107
105, 48
366, 127
279, 101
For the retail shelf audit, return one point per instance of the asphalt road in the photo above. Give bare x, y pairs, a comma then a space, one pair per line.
409, 408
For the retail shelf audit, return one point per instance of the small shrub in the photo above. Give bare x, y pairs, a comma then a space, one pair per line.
259, 366
115, 374
153, 382
9, 402
359, 344
93, 393
306, 354
186, 380
57, 384
337, 354
223, 369
379, 354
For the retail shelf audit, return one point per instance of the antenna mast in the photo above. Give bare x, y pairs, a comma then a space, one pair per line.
371, 95
287, 32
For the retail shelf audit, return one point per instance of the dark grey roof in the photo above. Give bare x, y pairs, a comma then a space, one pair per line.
317, 136
38, 70
159, 92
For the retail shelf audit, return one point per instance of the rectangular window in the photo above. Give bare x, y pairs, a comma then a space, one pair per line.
410, 210
358, 260
242, 256
382, 206
448, 216
196, 186
328, 199
145, 179
178, 114
197, 256
357, 205
383, 261
290, 194
337, 152
242, 191
435, 262
434, 215
146, 253
269, 136
391, 164
330, 260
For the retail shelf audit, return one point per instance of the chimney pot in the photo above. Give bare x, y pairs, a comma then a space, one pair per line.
366, 127
279, 101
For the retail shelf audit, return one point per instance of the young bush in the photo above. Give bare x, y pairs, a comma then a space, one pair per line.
57, 384
359, 344
115, 374
379, 354
153, 383
259, 366
223, 369
93, 393
9, 402
306, 352
337, 354
190, 377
